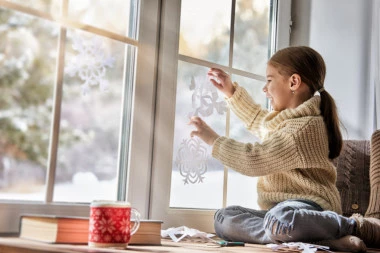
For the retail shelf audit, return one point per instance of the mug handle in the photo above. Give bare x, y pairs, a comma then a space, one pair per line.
136, 223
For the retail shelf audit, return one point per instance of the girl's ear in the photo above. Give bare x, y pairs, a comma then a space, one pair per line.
295, 82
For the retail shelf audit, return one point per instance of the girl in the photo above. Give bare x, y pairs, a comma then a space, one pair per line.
300, 137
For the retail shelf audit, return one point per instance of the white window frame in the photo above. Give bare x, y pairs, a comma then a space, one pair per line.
134, 148
165, 111
157, 50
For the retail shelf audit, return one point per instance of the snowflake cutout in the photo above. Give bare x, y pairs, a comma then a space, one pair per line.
192, 160
90, 63
205, 98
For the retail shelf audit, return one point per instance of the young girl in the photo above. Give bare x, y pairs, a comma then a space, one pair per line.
300, 137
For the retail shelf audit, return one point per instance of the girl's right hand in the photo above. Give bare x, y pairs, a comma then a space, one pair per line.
222, 81
203, 131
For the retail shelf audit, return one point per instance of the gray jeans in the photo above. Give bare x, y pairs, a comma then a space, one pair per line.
289, 221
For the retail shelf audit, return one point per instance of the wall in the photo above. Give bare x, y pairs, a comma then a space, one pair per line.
340, 31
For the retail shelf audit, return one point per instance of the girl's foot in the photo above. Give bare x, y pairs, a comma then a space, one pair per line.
348, 243
368, 229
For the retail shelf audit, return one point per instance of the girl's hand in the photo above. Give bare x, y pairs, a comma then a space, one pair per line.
203, 130
222, 81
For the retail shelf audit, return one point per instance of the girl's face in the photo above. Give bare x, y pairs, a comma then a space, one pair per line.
277, 89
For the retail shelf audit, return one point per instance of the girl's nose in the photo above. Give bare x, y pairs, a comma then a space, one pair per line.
265, 88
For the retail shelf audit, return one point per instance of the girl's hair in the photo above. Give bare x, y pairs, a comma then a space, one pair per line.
311, 67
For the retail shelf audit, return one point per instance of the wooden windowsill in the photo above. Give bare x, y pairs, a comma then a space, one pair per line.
17, 245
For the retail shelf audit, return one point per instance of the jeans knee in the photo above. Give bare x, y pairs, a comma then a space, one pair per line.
221, 226
228, 222
218, 215
279, 230
229, 211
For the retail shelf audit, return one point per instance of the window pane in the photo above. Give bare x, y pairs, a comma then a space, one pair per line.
28, 51
90, 119
242, 189
205, 30
251, 41
49, 6
197, 178
209, 40
113, 16
253, 87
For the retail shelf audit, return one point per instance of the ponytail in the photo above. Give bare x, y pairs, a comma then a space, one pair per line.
330, 117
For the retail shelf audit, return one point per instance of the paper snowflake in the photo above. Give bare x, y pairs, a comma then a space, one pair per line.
192, 160
298, 247
205, 98
90, 63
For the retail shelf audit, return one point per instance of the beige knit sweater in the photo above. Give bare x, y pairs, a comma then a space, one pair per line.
292, 159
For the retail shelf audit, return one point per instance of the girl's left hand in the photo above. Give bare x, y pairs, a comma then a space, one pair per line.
203, 130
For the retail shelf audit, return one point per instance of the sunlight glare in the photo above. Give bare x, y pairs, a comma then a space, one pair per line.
204, 20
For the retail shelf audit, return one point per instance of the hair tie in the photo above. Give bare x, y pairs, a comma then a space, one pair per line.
321, 90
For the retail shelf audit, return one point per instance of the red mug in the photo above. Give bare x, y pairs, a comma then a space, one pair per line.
110, 223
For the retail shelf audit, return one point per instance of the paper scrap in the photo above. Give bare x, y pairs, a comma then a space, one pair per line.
298, 247
179, 233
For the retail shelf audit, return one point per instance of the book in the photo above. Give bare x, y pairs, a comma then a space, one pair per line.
54, 229
74, 230
149, 233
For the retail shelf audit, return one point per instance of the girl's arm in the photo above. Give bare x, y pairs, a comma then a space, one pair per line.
247, 110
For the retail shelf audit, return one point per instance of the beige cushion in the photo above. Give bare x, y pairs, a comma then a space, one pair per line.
374, 172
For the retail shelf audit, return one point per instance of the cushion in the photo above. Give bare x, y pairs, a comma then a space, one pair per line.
353, 176
374, 171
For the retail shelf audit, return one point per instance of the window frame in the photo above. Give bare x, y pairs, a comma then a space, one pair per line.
166, 90
134, 98
139, 167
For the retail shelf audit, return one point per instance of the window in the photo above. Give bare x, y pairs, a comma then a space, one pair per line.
93, 106
244, 24
67, 78
237, 36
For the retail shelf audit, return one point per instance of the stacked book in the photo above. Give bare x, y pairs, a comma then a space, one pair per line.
74, 230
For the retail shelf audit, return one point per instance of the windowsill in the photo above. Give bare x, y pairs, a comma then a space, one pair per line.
17, 245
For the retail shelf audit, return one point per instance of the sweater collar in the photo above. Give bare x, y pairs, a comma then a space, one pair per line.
310, 107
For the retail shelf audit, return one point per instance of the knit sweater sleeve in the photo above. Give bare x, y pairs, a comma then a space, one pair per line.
278, 153
251, 113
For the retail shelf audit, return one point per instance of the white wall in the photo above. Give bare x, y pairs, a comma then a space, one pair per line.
340, 31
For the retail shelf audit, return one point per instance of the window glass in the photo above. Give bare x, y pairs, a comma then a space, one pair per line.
205, 36
242, 189
113, 16
90, 118
90, 108
251, 38
47, 6
253, 87
27, 66
205, 29
195, 172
